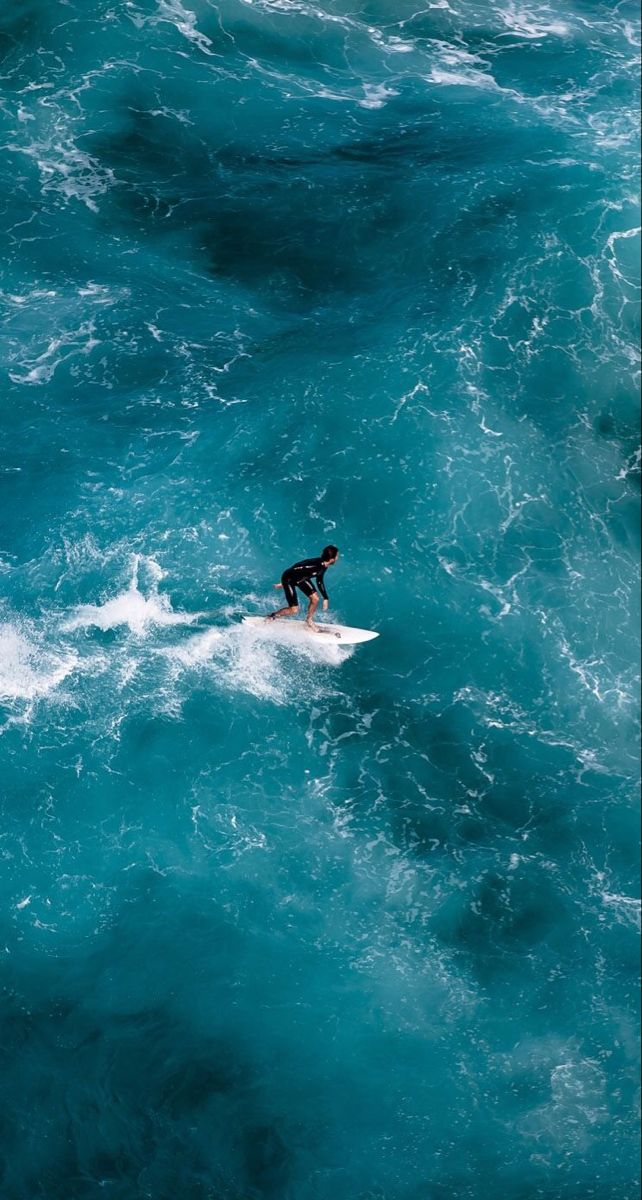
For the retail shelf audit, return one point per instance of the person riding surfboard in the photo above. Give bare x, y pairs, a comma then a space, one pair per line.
300, 576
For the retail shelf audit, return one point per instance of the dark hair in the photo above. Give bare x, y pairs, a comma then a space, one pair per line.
329, 553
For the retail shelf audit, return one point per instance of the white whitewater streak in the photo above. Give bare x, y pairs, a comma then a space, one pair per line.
64, 168
468, 78
627, 908
539, 24
376, 95
131, 607
243, 660
41, 370
174, 13
236, 663
28, 671
455, 67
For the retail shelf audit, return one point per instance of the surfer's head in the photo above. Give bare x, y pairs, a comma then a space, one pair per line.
330, 555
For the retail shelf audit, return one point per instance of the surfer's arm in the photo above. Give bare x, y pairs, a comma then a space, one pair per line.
321, 587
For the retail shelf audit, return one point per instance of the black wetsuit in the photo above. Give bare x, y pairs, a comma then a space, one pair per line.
301, 576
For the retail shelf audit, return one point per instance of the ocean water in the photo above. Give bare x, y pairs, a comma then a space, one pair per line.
300, 923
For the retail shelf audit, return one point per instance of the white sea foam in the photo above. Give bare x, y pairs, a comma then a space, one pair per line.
376, 95
450, 75
28, 671
184, 20
132, 607
66, 169
393, 45
534, 25
243, 660
41, 369
627, 908
234, 661
576, 1106
21, 299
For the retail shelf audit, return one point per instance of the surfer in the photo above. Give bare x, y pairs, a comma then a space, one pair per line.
300, 576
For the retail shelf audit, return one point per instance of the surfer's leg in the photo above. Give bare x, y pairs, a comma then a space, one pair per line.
292, 600
283, 612
312, 608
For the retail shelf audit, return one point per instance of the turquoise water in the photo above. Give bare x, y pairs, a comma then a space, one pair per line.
309, 924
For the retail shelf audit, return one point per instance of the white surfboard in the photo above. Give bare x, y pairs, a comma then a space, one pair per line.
345, 635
